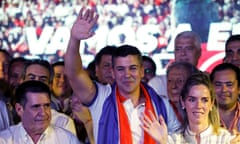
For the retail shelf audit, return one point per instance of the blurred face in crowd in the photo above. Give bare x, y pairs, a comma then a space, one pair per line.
36, 113
148, 71
128, 73
4, 62
38, 73
176, 79
233, 53
198, 104
60, 85
15, 74
186, 51
226, 88
104, 70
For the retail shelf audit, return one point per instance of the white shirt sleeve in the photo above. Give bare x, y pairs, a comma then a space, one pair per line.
103, 91
173, 124
63, 121
159, 84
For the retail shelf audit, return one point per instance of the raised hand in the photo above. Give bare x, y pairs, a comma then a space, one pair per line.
156, 129
235, 140
82, 27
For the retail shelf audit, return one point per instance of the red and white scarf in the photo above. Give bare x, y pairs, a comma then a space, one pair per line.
125, 131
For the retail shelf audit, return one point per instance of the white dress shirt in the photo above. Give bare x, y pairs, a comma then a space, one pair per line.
63, 121
52, 135
206, 137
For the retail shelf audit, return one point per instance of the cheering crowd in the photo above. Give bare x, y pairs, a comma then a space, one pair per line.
119, 99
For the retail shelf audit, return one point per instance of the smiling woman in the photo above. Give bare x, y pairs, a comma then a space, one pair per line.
202, 124
198, 98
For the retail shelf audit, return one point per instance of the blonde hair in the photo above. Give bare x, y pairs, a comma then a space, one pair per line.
203, 79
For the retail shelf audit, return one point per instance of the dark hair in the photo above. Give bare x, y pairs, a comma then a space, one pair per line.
91, 70
5, 91
149, 59
40, 62
202, 79
231, 39
58, 63
7, 54
14, 60
189, 68
30, 86
226, 66
125, 50
107, 50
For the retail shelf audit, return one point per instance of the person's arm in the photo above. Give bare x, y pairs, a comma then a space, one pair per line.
82, 114
156, 129
79, 79
89, 128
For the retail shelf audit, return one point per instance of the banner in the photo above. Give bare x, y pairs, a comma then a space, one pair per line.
41, 29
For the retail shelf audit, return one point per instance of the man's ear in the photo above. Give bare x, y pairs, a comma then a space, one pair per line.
19, 109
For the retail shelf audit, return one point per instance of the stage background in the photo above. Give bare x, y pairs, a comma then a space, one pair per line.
41, 28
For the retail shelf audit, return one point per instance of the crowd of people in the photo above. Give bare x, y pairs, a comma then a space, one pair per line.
120, 99
17, 15
54, 107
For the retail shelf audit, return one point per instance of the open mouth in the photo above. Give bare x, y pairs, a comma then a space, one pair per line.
197, 114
